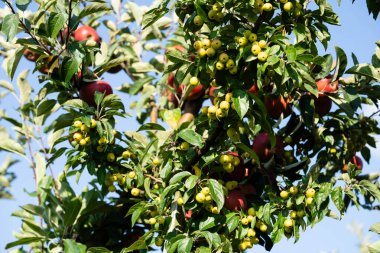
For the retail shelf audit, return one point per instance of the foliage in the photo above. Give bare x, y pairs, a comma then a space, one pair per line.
268, 158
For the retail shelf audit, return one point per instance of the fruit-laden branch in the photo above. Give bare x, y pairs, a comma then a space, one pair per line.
26, 29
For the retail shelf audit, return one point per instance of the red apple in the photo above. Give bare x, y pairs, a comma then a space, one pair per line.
355, 160
235, 201
247, 189
87, 92
325, 84
211, 91
189, 214
262, 147
254, 89
85, 33
30, 55
276, 105
322, 105
196, 93
171, 80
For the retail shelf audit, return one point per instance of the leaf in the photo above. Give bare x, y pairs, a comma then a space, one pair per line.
13, 62
98, 250
191, 182
192, 137
24, 86
151, 127
375, 228
6, 85
341, 63
40, 167
240, 100
179, 176
76, 103
71, 211
337, 198
56, 22
22, 4
25, 240
217, 194
151, 16
185, 245
206, 223
10, 25
365, 70
70, 246
70, 67
11, 146
232, 221
140, 244
171, 117
374, 247
46, 106
371, 188
93, 8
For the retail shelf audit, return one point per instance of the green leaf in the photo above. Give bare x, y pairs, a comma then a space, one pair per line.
375, 228
76, 103
374, 247
217, 194
24, 86
55, 24
46, 106
151, 16
232, 221
206, 223
93, 8
13, 62
371, 188
70, 67
240, 100
22, 4
192, 137
191, 182
25, 240
140, 244
71, 211
179, 176
70, 246
337, 198
6, 85
40, 167
11, 146
171, 117
185, 245
10, 25
365, 70
151, 127
341, 63
98, 250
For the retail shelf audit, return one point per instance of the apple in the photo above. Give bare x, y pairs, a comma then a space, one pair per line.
325, 84
262, 147
189, 214
355, 160
30, 55
254, 89
235, 201
276, 105
87, 92
239, 171
196, 93
322, 104
85, 33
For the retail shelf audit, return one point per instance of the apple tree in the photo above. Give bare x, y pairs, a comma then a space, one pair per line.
247, 132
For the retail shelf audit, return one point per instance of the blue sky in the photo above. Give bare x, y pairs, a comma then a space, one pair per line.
358, 34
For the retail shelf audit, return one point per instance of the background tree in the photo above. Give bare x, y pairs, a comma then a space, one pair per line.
269, 157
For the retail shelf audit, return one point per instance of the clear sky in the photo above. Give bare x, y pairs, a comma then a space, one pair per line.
358, 34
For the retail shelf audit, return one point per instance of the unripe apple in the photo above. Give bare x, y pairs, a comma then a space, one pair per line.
262, 56
212, 14
194, 80
180, 201
300, 213
263, 228
293, 190
184, 146
87, 92
77, 124
284, 194
310, 193
309, 201
198, 21
219, 17
77, 137
223, 57
217, 7
84, 128
198, 44
86, 33
231, 185
233, 134
126, 154
111, 188
152, 221
200, 197
288, 7
252, 37
219, 65
288, 223
135, 192
251, 232
267, 7
283, 1
233, 71
93, 123
256, 49
244, 221
156, 161
159, 241
235, 201
251, 211
216, 44
205, 190
202, 52
262, 44
132, 174
242, 41
111, 157
293, 214
224, 105
230, 64
210, 52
